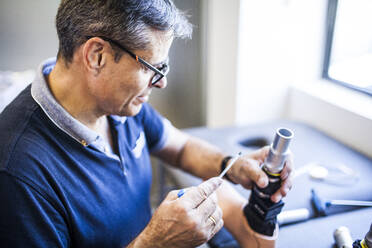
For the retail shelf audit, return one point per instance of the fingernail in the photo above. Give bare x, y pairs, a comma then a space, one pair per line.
262, 182
276, 198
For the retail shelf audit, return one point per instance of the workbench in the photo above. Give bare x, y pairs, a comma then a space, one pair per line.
308, 146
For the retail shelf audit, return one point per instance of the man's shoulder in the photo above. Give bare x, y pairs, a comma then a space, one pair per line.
15, 132
27, 142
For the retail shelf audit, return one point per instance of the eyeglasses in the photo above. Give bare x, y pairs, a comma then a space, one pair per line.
159, 72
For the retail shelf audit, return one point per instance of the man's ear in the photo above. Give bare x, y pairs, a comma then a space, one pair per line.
95, 52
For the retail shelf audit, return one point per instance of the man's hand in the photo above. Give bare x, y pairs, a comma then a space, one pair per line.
187, 221
246, 170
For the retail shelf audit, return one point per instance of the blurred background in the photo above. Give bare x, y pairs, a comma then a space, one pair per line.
249, 62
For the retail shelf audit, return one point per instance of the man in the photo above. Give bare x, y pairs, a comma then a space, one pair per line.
75, 145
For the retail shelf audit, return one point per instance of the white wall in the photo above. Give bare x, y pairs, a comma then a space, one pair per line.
255, 50
265, 60
221, 52
27, 33
281, 44
182, 101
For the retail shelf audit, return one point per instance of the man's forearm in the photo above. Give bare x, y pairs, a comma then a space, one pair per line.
200, 158
191, 154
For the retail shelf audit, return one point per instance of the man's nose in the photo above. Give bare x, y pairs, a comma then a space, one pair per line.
161, 83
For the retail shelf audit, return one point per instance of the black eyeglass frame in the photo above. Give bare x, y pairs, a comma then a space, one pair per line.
139, 59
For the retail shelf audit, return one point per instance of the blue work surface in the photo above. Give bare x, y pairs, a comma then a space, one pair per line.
308, 145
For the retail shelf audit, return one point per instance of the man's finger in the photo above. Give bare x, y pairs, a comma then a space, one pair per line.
214, 217
288, 167
217, 228
283, 191
218, 225
207, 207
196, 195
252, 170
260, 154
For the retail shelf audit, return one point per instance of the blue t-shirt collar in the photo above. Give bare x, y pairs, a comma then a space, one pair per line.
58, 115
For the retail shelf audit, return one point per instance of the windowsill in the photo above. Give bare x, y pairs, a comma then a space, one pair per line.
340, 96
340, 112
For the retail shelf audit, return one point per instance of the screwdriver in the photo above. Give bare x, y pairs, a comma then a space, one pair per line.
232, 161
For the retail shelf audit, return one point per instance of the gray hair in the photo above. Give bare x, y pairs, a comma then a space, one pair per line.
126, 21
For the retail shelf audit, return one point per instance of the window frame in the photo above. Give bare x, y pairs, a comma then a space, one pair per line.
330, 25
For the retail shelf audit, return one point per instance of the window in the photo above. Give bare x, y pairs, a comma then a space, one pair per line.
348, 54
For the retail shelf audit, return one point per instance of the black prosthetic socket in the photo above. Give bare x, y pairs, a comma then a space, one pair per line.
261, 212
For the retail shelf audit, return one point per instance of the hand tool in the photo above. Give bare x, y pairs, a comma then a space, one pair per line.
231, 162
322, 205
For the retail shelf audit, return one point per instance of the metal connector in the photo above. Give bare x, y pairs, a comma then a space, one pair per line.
278, 151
